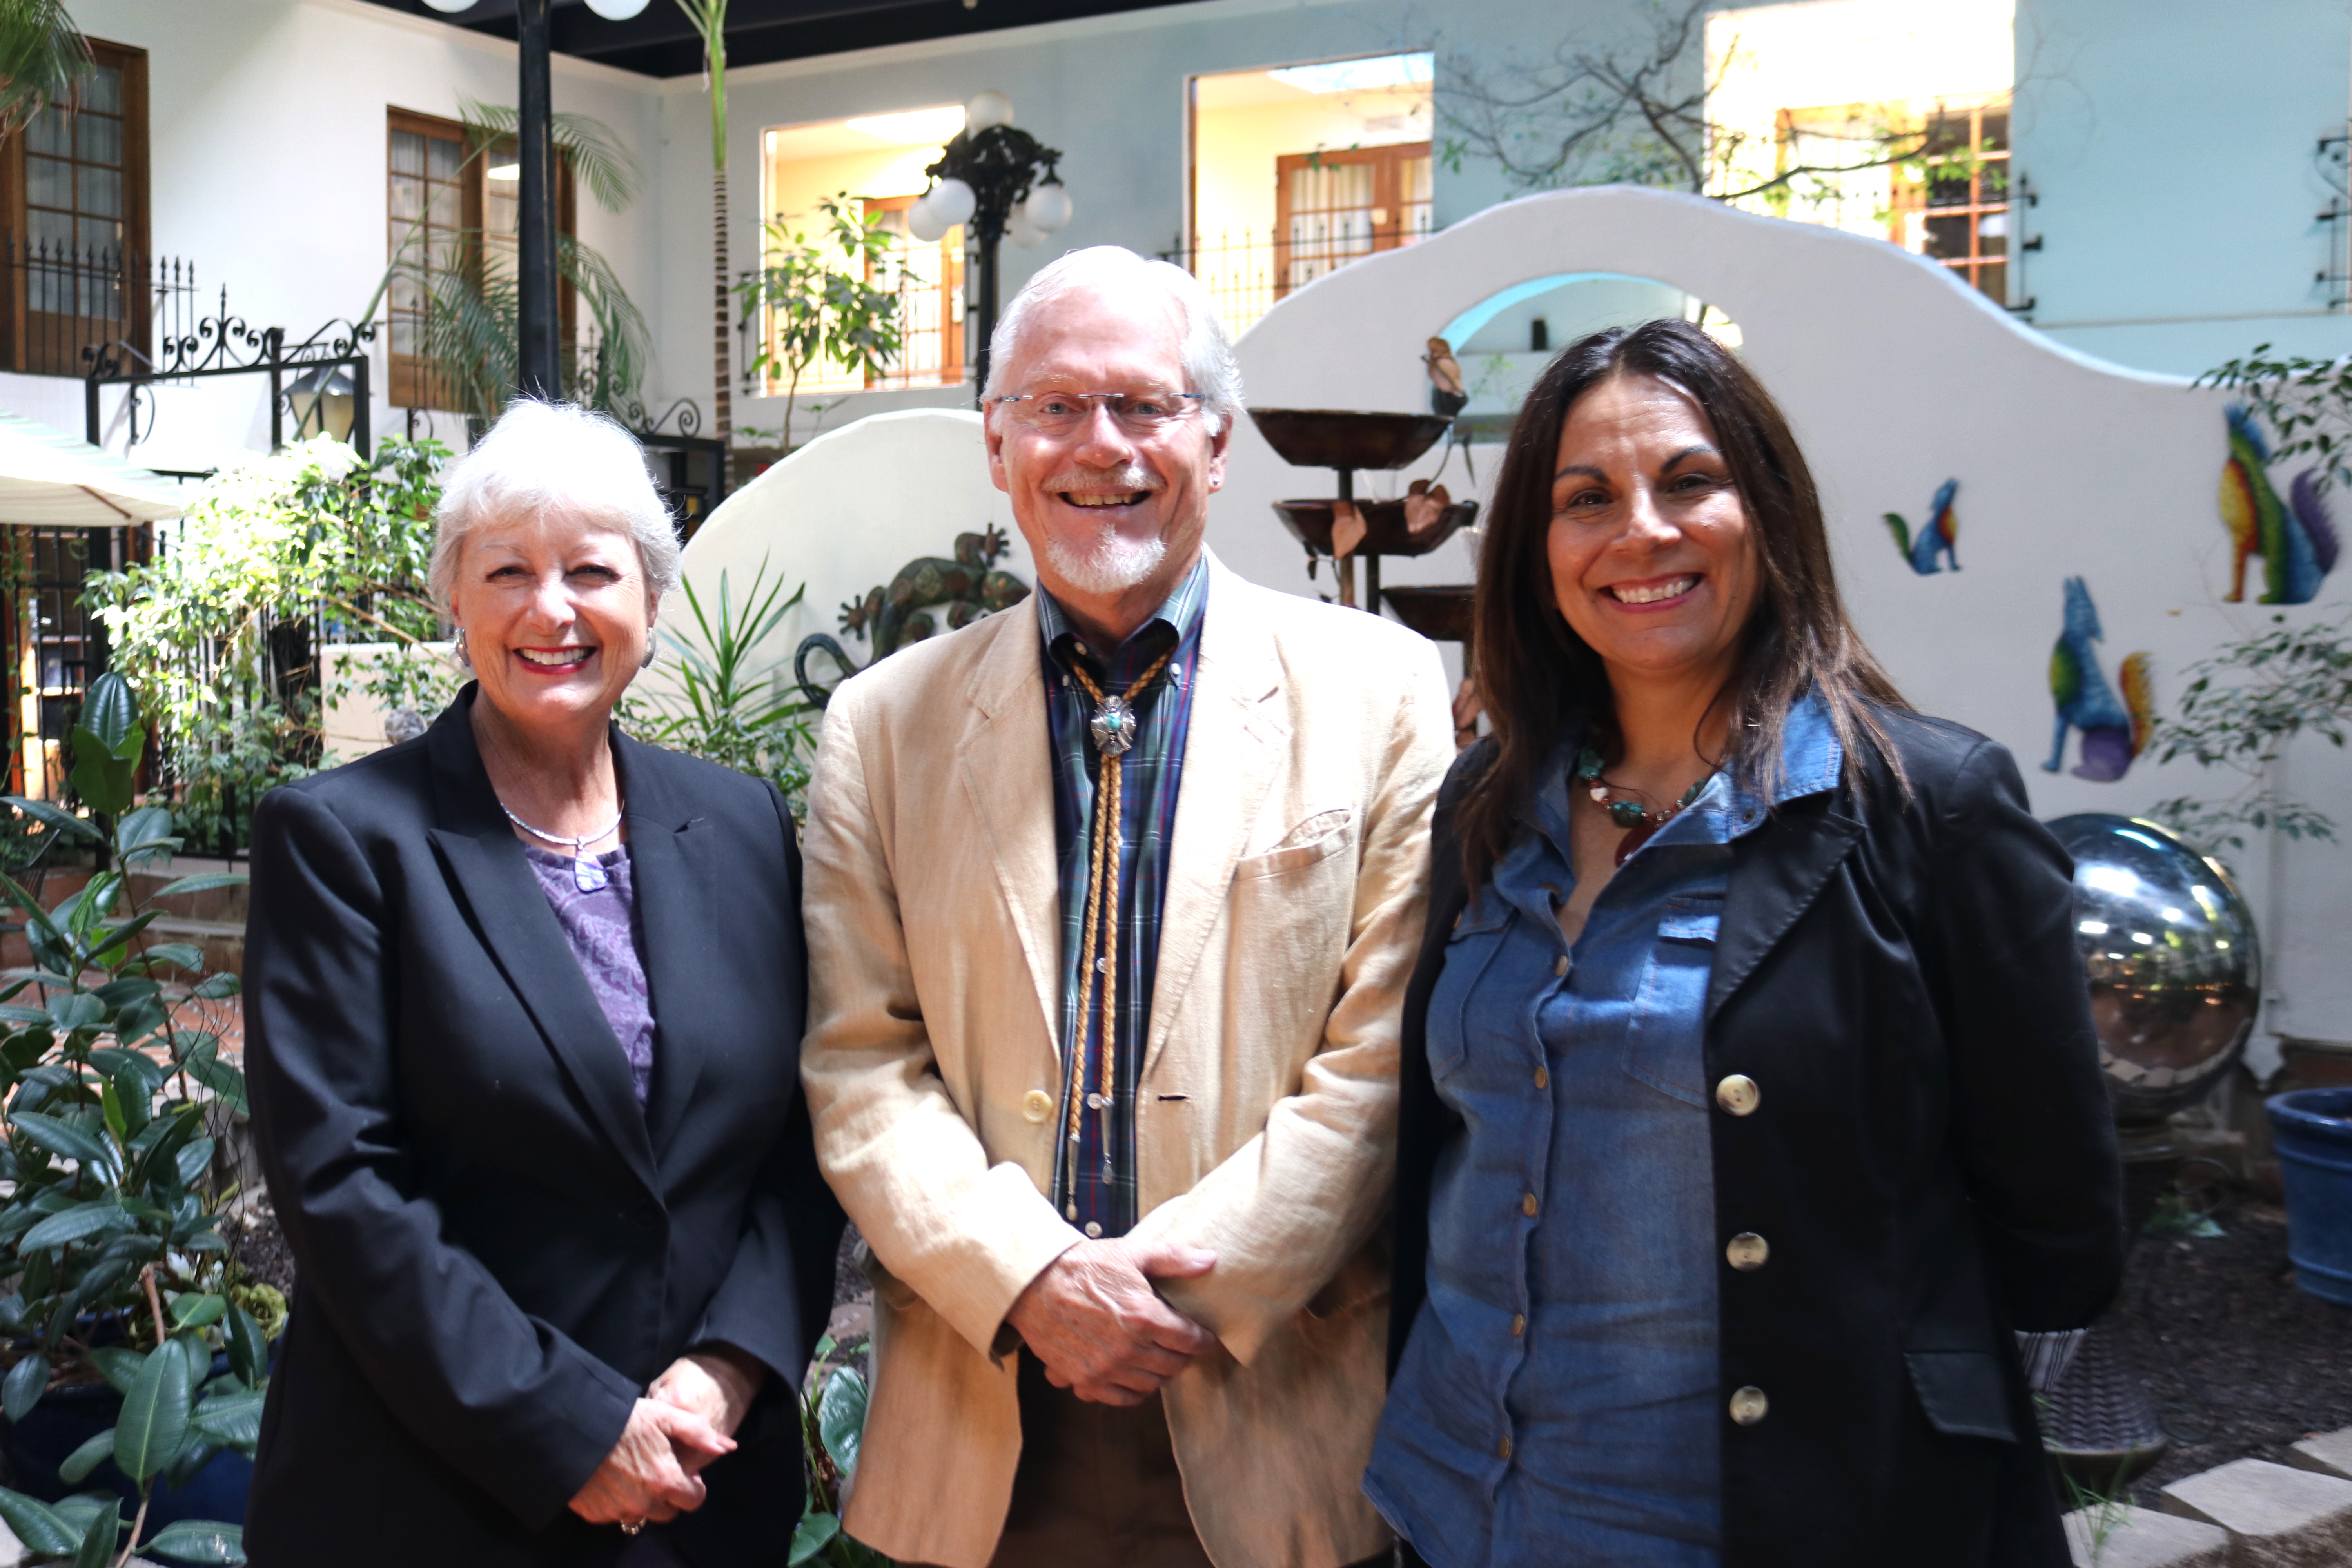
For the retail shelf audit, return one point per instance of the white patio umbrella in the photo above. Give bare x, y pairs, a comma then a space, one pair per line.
50, 480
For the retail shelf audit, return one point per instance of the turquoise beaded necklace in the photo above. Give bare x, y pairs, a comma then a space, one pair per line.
1639, 821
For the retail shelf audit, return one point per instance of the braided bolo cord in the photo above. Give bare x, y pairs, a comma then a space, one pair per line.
1102, 887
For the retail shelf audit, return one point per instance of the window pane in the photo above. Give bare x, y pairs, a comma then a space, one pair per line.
1947, 237
53, 233
406, 199
407, 293
407, 153
103, 90
1993, 279
49, 182
102, 192
98, 237
50, 133
405, 335
97, 139
1996, 132
446, 156
448, 207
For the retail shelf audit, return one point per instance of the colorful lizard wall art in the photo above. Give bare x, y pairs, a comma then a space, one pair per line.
1938, 535
2296, 540
2113, 731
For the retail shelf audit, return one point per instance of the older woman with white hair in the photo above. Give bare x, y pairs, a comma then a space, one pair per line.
524, 1005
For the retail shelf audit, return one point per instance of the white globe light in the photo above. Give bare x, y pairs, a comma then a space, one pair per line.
923, 220
451, 6
953, 202
1048, 206
1021, 231
611, 10
987, 109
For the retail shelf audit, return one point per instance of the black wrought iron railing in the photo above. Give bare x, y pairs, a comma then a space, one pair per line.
59, 301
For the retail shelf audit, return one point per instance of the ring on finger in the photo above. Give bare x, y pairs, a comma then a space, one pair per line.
631, 1526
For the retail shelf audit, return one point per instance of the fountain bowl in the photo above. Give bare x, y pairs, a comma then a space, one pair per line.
1337, 438
1440, 613
1310, 522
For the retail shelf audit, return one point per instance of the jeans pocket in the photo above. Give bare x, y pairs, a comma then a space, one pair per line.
1665, 1045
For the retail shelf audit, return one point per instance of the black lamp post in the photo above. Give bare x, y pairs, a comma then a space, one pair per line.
1002, 182
539, 363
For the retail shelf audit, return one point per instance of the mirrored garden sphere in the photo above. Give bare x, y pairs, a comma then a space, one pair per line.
2174, 965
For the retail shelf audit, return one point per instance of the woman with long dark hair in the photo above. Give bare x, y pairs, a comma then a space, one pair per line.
1750, 1097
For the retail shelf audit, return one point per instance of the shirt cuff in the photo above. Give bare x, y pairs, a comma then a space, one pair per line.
2047, 1356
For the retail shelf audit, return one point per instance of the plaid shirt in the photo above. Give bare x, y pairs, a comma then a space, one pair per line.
1151, 772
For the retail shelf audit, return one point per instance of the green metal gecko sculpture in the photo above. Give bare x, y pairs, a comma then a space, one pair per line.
889, 617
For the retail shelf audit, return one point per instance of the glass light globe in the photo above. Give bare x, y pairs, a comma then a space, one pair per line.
924, 221
953, 202
451, 6
614, 10
987, 109
1048, 206
1021, 231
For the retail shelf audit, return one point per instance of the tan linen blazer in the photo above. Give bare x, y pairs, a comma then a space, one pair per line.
1266, 1117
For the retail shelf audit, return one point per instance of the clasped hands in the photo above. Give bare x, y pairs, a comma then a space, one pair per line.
1101, 1330
687, 1419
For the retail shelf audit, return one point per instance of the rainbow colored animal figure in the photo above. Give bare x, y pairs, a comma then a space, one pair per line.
1936, 536
2298, 541
2113, 731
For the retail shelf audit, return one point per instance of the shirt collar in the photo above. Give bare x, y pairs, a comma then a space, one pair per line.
1180, 612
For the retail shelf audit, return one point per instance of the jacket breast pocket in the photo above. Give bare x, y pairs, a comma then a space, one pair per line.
1963, 1392
1319, 838
1665, 1046
1470, 947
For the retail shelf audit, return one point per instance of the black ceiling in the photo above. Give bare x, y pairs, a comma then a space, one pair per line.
659, 41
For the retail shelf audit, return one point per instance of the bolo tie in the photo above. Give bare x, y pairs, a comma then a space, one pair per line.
1112, 729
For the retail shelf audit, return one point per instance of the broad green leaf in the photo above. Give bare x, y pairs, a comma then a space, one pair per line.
23, 1387
196, 1452
76, 1223
249, 1351
841, 1418
36, 917
118, 1365
220, 1077
63, 1139
214, 987
108, 783
100, 1537
41, 1527
812, 1535
235, 1421
120, 993
179, 954
195, 1310
77, 1011
198, 1541
155, 1418
203, 882
112, 943
144, 833
89, 1457
13, 1013
54, 817
118, 1063
110, 1103
194, 1159
79, 1509
111, 713
197, 1354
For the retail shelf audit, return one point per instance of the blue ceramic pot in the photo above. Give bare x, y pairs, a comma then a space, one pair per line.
66, 1418
2312, 1129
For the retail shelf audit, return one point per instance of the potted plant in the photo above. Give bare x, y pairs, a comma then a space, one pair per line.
125, 1298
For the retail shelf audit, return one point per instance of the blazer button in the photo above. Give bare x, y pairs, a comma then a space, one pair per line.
1748, 1251
1748, 1404
1739, 1094
1528, 1205
1036, 1105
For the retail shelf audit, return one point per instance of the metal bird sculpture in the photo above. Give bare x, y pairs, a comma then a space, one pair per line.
1938, 535
1447, 395
2115, 731
2296, 540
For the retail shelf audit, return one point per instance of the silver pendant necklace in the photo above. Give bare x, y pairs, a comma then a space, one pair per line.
587, 872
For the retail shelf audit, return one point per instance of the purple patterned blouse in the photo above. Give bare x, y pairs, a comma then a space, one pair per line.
601, 927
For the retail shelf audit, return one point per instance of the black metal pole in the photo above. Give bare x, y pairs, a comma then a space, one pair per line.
361, 434
984, 316
539, 370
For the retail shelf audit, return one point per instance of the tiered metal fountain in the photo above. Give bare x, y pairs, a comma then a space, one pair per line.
1347, 443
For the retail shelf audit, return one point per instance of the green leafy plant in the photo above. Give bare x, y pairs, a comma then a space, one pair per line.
833, 1423
111, 1207
2238, 709
43, 59
2306, 403
276, 555
819, 301
725, 707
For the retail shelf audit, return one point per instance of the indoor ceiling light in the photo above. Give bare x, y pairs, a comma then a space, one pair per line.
1358, 76
615, 10
452, 6
914, 128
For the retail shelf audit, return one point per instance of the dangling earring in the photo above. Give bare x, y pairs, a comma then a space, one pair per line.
464, 656
651, 645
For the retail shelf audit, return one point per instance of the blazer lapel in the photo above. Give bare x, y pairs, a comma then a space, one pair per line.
1776, 872
485, 860
1002, 754
670, 860
1230, 754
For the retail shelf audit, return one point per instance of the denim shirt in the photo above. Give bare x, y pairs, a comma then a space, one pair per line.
1558, 1400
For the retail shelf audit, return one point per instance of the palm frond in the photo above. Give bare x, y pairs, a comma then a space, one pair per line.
43, 58
471, 330
606, 167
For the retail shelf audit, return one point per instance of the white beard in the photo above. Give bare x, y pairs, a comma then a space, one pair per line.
1107, 563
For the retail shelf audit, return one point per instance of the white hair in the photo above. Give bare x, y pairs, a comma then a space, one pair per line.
1207, 349
553, 457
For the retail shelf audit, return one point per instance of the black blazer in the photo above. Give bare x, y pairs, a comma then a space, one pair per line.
497, 1250
1931, 1159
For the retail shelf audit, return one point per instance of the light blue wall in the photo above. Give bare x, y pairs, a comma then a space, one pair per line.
2171, 142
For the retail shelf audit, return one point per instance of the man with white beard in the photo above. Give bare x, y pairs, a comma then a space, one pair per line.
1112, 898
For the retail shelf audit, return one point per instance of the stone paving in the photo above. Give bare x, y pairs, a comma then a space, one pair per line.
2249, 1513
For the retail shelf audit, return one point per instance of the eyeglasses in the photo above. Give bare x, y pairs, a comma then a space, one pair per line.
1139, 414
